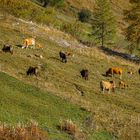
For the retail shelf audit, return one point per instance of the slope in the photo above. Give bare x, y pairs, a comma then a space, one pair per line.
21, 102
115, 113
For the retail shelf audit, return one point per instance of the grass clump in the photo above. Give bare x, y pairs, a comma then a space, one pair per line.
30, 131
71, 128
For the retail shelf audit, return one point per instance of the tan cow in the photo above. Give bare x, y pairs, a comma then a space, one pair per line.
112, 71
130, 72
107, 85
123, 85
28, 42
39, 46
70, 54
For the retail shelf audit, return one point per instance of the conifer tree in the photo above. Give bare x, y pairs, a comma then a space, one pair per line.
104, 24
133, 18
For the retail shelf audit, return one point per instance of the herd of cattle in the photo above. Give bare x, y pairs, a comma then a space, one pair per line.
104, 85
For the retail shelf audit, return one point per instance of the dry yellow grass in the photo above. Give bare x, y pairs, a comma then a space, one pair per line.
88, 4
30, 131
71, 128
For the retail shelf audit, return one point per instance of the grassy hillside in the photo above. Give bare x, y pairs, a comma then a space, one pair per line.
21, 102
56, 92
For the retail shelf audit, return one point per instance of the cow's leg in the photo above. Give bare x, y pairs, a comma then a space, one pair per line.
11, 52
120, 86
23, 47
120, 76
32, 46
112, 74
103, 90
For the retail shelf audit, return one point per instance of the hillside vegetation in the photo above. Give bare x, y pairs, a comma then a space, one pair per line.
65, 18
58, 94
64, 81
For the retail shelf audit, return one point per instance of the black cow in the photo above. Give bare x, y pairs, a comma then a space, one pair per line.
7, 48
32, 71
84, 74
63, 56
139, 71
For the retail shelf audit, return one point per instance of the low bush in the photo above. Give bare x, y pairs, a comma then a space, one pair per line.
84, 15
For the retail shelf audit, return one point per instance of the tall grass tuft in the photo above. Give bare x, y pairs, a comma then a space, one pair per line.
30, 131
69, 127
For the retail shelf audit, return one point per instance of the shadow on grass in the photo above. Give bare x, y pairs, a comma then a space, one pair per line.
19, 45
126, 56
55, 58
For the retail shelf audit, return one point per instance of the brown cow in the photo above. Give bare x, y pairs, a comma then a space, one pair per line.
112, 71
28, 42
63, 56
105, 85
7, 48
32, 71
84, 74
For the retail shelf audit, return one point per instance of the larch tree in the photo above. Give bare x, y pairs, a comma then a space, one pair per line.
104, 24
133, 18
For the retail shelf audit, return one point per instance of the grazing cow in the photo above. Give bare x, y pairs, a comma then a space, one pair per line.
130, 72
28, 42
84, 74
32, 71
105, 85
37, 55
7, 48
63, 56
123, 85
39, 46
139, 71
112, 71
70, 54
